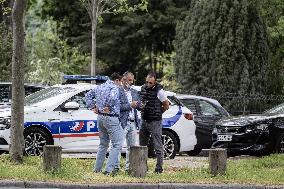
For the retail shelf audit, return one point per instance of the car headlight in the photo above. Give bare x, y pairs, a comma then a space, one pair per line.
5, 123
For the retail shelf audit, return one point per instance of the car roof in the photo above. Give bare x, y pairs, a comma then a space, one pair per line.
186, 96
78, 86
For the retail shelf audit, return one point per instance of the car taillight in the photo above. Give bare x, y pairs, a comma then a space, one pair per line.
188, 116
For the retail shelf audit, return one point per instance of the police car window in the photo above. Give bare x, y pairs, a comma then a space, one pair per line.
31, 89
4, 93
174, 101
207, 109
80, 99
190, 104
45, 94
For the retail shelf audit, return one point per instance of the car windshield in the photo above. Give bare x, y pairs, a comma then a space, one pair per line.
276, 110
45, 94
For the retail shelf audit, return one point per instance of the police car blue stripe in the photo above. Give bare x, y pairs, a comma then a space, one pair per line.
88, 126
168, 122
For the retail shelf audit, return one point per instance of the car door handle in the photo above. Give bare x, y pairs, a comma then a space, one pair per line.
53, 119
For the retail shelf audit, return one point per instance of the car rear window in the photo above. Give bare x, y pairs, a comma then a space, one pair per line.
174, 101
4, 93
190, 104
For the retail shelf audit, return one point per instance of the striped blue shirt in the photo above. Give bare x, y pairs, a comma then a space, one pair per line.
104, 95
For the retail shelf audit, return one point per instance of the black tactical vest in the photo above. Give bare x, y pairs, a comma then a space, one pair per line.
153, 109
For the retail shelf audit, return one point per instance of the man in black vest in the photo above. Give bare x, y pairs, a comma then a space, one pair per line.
154, 104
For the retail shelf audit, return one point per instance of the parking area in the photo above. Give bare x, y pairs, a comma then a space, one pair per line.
180, 161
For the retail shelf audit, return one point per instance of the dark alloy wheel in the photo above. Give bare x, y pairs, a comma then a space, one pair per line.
35, 139
279, 148
170, 145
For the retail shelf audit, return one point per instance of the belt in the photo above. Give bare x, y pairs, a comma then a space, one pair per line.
110, 115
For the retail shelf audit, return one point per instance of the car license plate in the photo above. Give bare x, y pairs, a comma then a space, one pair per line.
224, 138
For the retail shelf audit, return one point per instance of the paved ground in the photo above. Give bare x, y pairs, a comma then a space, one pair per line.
180, 161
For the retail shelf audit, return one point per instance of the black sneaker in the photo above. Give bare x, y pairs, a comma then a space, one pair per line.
115, 172
158, 171
106, 173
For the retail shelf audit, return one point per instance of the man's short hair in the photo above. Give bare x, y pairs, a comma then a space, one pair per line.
115, 76
127, 73
152, 74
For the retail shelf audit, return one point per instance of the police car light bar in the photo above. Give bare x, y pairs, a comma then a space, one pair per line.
87, 78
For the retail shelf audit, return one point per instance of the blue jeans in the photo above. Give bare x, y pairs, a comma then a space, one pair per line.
130, 133
109, 130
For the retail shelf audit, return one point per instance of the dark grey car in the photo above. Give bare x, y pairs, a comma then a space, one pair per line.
6, 92
206, 113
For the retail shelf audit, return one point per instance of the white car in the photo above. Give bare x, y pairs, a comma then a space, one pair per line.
58, 115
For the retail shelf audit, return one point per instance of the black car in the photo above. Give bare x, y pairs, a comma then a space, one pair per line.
252, 134
206, 112
6, 92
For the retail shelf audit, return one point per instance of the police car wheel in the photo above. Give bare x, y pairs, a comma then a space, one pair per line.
170, 145
35, 139
279, 148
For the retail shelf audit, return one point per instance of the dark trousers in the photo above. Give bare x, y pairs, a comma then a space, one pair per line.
153, 129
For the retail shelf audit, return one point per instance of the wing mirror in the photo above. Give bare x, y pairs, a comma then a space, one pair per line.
71, 106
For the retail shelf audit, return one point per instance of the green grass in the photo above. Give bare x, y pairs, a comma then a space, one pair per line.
268, 170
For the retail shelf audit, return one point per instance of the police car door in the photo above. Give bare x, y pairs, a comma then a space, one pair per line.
81, 133
205, 121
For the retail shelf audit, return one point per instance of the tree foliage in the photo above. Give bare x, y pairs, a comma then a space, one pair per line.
136, 41
272, 12
127, 41
222, 47
50, 57
6, 52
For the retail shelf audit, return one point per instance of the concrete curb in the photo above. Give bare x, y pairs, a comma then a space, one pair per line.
32, 184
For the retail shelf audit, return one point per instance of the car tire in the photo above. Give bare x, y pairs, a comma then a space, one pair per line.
194, 152
279, 147
35, 139
170, 144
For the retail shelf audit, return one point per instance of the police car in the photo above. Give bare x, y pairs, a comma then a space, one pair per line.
58, 115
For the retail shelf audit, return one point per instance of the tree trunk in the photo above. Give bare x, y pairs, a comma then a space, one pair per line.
18, 61
218, 161
138, 161
52, 157
94, 32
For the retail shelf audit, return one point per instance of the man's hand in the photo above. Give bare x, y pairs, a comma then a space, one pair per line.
95, 110
134, 104
106, 110
165, 105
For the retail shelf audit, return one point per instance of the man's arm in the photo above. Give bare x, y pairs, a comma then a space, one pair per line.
89, 98
125, 105
163, 98
136, 98
165, 105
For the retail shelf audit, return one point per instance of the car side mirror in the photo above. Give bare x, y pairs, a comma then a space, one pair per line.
71, 106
